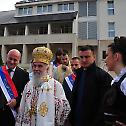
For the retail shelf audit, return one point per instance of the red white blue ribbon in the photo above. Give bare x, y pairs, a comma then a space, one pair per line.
7, 86
70, 80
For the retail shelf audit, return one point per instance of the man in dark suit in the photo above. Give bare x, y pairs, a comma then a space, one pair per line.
90, 85
12, 82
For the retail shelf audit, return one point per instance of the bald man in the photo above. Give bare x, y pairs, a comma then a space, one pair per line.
12, 82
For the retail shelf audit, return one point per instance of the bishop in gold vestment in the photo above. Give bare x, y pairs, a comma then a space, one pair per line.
43, 101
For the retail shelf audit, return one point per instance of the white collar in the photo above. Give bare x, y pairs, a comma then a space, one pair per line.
12, 69
122, 72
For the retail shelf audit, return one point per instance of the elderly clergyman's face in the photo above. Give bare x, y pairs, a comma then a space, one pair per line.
40, 68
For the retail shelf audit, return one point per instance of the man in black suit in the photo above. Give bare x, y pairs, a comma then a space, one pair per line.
90, 85
12, 82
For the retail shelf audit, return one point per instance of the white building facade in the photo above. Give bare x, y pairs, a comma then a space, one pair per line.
67, 24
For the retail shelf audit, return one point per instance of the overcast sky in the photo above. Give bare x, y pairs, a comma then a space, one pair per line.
6, 5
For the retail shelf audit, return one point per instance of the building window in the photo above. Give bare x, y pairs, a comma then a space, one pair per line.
59, 7
110, 7
49, 9
82, 9
25, 11
91, 8
43, 29
111, 29
20, 11
65, 27
82, 30
71, 6
87, 9
92, 30
66, 7
38, 29
29, 10
44, 9
87, 30
39, 9
16, 30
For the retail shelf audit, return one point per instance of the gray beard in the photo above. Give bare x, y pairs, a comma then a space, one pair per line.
37, 80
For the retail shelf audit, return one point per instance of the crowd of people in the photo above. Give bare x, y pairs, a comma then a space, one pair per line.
64, 91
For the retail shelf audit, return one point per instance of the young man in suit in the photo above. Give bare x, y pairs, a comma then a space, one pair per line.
90, 85
12, 82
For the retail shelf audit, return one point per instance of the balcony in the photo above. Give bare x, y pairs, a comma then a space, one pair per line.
38, 39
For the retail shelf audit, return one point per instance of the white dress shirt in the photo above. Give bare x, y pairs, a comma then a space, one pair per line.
12, 72
123, 84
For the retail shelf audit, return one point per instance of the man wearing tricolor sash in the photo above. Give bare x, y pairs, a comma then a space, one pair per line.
12, 82
69, 80
43, 100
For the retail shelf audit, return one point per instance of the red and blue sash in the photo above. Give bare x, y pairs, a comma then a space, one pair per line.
70, 80
7, 85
